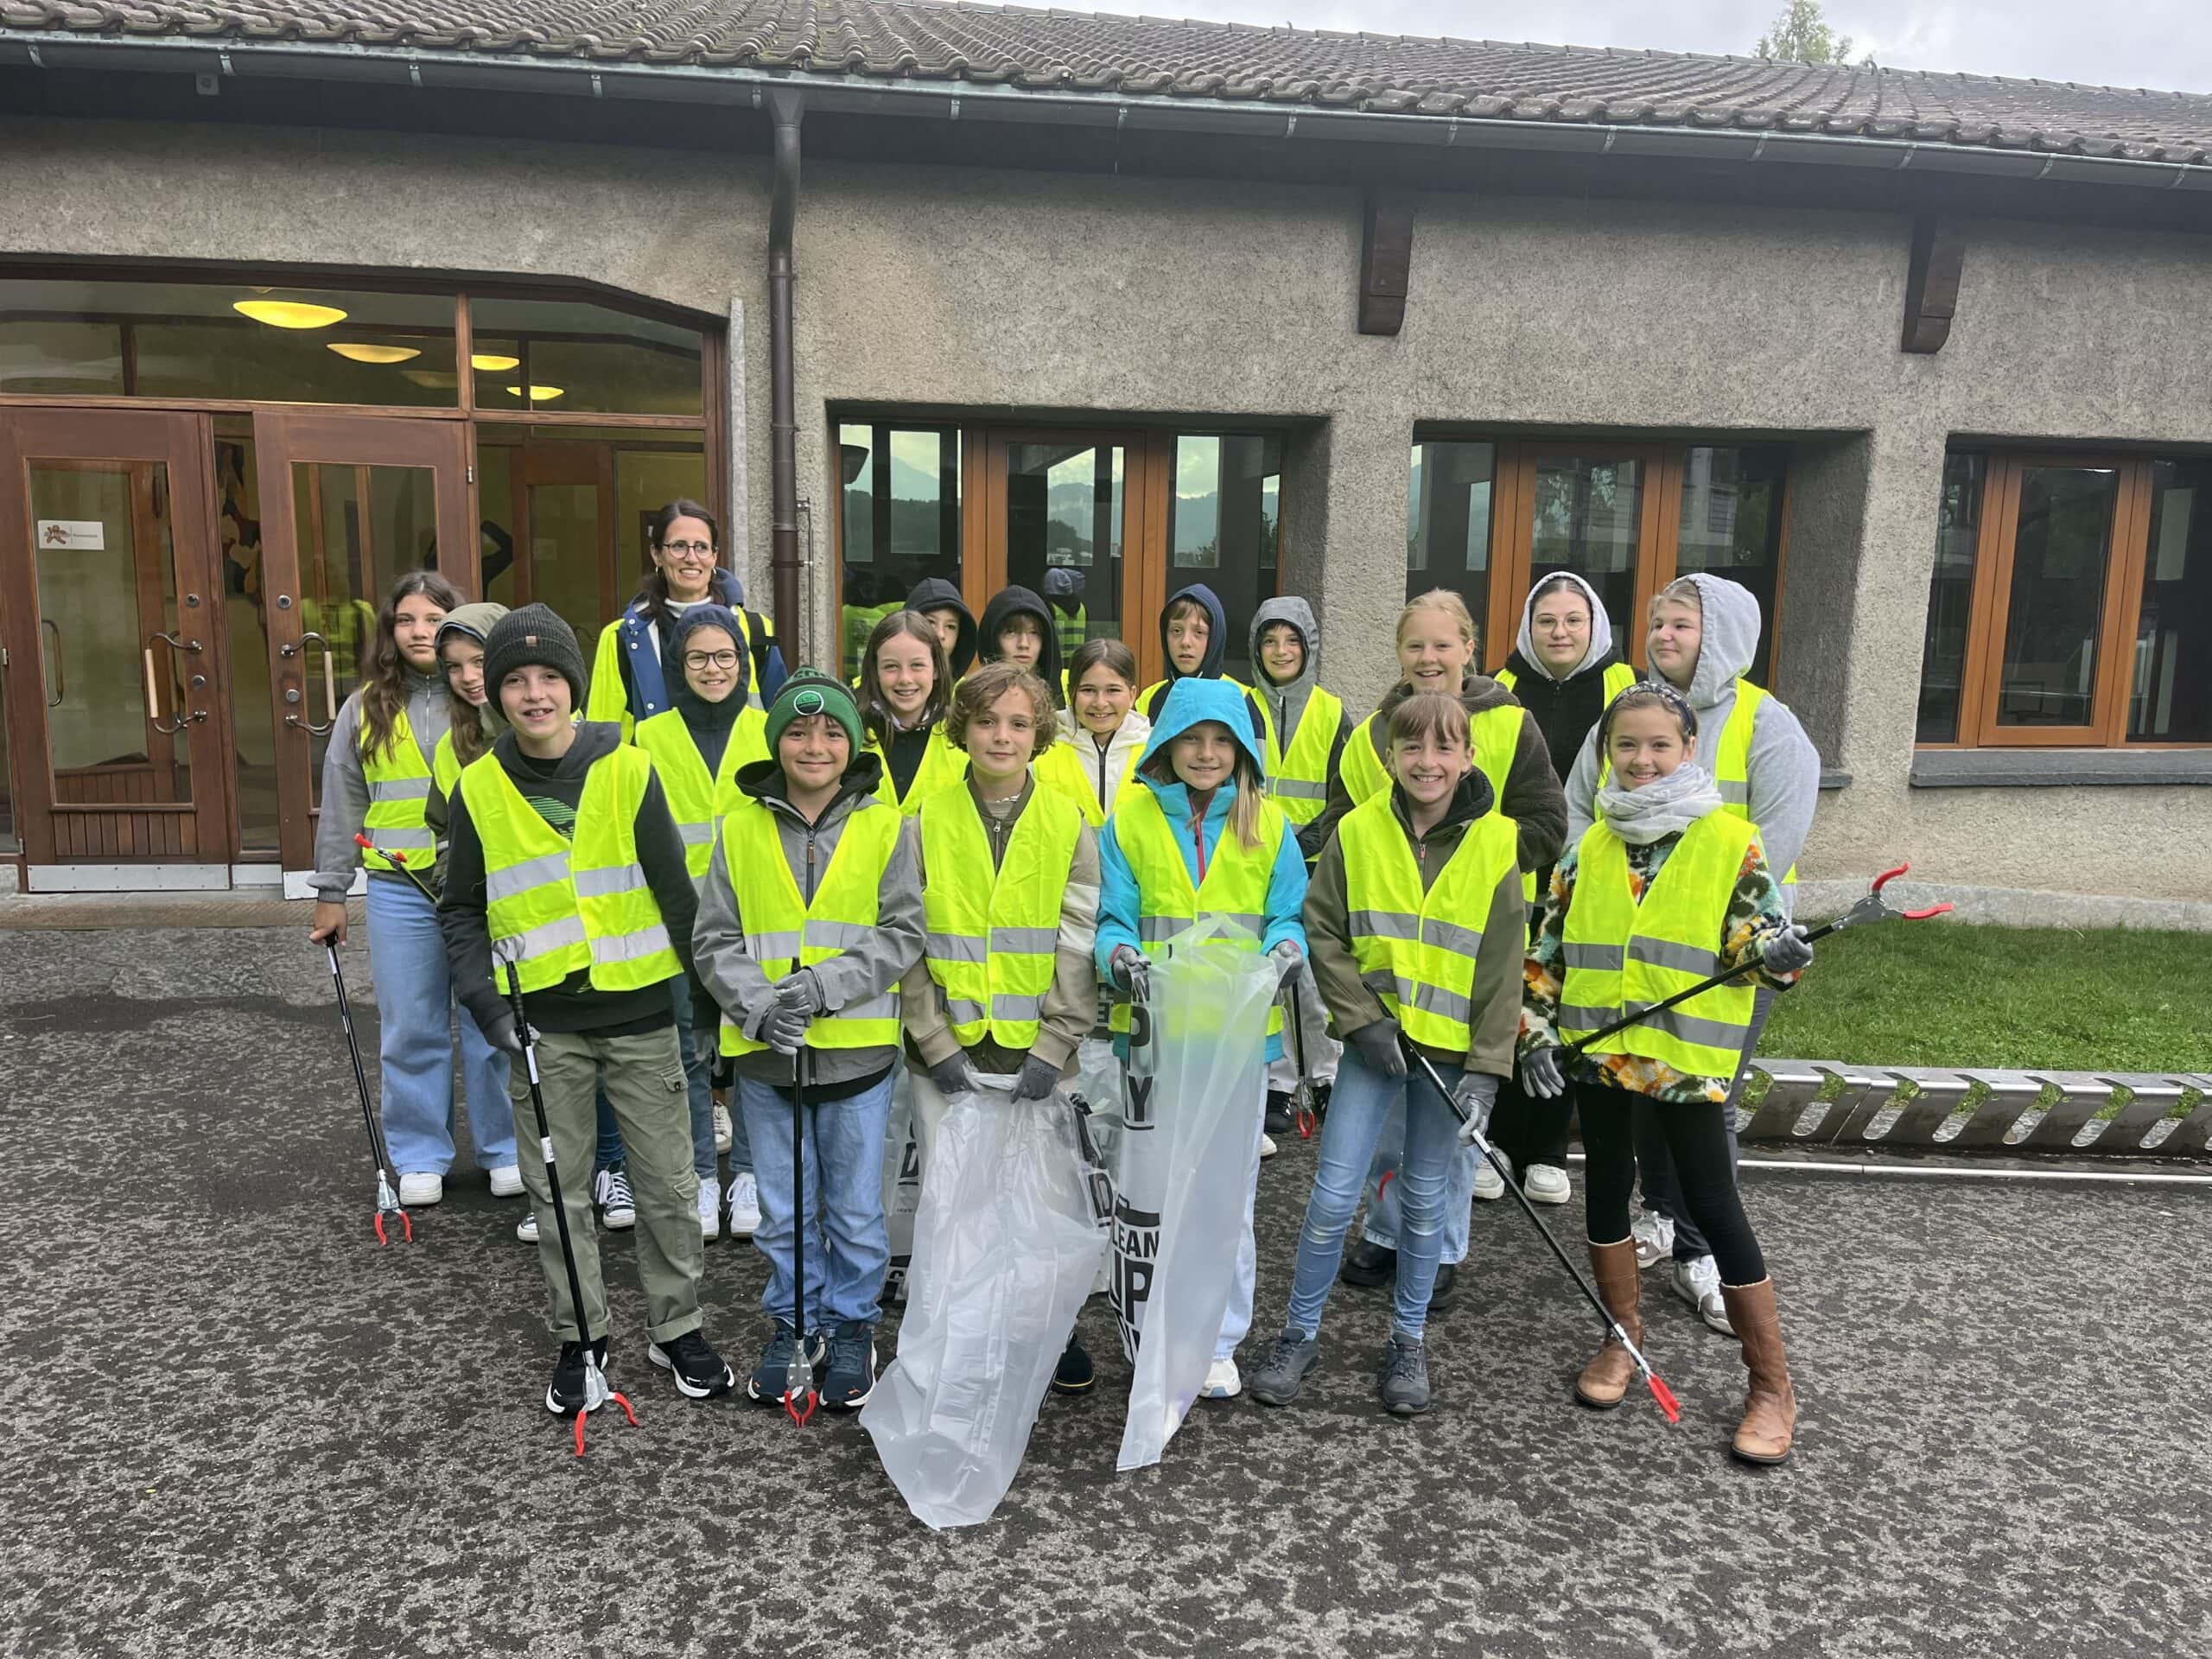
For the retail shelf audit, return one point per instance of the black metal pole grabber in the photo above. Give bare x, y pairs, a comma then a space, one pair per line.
1301, 1094
1660, 1391
799, 1397
597, 1392
1869, 909
387, 1179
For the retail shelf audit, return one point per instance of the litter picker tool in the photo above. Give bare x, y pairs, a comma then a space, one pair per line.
1872, 908
387, 1180
1660, 1391
799, 1398
399, 862
1301, 1094
597, 1390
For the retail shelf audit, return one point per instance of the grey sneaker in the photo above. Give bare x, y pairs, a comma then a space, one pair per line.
1655, 1238
1697, 1282
1283, 1372
1402, 1381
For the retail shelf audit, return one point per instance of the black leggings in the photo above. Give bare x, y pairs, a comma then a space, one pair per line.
1697, 1136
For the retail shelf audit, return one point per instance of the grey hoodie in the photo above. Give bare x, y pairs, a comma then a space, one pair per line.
1784, 767
345, 787
1287, 702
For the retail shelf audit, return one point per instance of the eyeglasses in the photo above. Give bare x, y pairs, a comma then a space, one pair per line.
699, 659
696, 549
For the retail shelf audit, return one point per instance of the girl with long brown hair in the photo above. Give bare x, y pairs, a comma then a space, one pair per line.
905, 691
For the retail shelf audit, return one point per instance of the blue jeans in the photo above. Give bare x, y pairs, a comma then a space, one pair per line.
847, 1244
414, 1009
698, 1083
1381, 1226
1362, 1108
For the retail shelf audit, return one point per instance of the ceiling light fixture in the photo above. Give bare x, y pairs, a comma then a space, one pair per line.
289, 314
361, 353
539, 394
493, 363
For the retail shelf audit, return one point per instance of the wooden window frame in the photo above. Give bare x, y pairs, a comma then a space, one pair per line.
1996, 549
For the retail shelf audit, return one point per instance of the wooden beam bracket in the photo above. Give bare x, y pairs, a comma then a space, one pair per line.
1931, 283
1386, 253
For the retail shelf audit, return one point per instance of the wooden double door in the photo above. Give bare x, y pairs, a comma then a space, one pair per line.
182, 612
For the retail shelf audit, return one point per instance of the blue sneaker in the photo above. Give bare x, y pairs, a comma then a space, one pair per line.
767, 1384
852, 1366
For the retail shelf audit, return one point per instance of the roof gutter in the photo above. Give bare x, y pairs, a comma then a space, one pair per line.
433, 68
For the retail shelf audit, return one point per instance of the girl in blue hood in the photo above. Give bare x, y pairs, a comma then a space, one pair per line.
1201, 837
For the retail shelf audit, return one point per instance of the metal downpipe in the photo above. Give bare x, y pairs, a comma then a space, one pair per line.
785, 108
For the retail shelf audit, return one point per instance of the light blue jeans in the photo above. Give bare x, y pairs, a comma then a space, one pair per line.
1364, 1105
1381, 1226
847, 1244
698, 1077
415, 1010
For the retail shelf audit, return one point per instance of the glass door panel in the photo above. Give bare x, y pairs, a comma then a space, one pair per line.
2055, 601
1586, 516
565, 530
1063, 526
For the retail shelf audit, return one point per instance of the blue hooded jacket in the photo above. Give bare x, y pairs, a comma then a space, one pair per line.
1189, 702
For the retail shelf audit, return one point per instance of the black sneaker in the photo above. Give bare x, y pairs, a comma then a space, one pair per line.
699, 1371
770, 1376
1074, 1373
564, 1396
852, 1366
1402, 1378
1368, 1265
1445, 1288
1278, 1112
1282, 1374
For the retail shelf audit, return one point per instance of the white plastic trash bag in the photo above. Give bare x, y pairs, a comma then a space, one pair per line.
1004, 1251
1189, 1155
1096, 1090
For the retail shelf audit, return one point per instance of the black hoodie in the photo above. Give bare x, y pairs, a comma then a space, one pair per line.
1008, 603
1566, 710
1208, 664
935, 593
556, 788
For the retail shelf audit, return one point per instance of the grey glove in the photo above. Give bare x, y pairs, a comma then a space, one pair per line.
800, 989
953, 1075
1789, 951
503, 1035
1473, 1096
1038, 1079
1540, 1076
784, 1029
1378, 1046
1288, 959
1126, 964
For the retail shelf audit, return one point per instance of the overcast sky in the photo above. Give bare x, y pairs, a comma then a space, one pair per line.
2163, 44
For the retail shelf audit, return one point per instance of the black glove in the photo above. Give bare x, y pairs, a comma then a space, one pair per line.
953, 1075
1038, 1079
503, 1034
1378, 1046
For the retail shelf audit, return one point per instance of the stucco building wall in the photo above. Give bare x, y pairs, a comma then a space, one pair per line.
998, 294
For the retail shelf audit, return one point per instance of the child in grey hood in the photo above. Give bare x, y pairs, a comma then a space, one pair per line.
1704, 633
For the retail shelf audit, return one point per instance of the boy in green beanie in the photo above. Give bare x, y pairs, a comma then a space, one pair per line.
809, 915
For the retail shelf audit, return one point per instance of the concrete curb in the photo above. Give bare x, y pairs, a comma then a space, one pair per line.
1820, 901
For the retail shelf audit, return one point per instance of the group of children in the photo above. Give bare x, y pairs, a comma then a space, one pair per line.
806, 889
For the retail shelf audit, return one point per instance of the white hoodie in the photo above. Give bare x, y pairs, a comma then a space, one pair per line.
1107, 769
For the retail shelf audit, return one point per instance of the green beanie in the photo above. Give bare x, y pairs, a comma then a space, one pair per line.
810, 691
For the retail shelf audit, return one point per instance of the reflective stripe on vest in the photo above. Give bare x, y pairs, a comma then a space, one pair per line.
1621, 955
554, 906
785, 933
942, 763
1298, 778
1731, 762
994, 932
1410, 949
399, 792
1235, 887
694, 800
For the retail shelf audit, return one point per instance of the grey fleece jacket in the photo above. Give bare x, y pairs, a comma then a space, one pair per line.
345, 787
1784, 767
1286, 701
858, 973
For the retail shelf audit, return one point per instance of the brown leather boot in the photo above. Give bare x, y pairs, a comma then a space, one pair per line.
1604, 1380
1770, 1411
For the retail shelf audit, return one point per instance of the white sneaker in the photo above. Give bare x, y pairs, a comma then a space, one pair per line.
1222, 1381
1655, 1238
422, 1187
618, 1206
1267, 1148
1697, 1282
710, 1207
1489, 1184
722, 1130
526, 1228
1545, 1184
506, 1181
744, 1204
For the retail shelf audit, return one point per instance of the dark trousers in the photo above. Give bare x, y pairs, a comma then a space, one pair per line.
1662, 1192
1698, 1135
1529, 1130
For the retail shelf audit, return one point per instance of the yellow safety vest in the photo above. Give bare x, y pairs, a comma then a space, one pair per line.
695, 800
1423, 945
1064, 769
1622, 957
1498, 737
1618, 678
995, 931
942, 765
445, 766
1732, 763
785, 932
399, 793
1235, 887
554, 906
1298, 778
607, 700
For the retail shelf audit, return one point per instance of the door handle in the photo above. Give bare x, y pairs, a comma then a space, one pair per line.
330, 683
153, 683
61, 675
153, 700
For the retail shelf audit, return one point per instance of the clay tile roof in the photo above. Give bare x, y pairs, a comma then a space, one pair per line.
1030, 48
